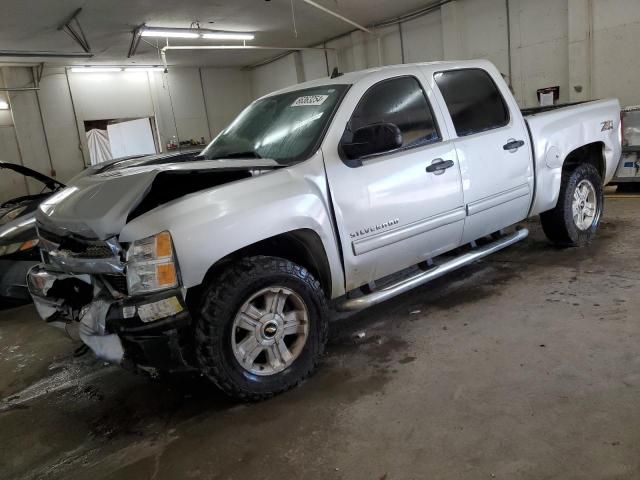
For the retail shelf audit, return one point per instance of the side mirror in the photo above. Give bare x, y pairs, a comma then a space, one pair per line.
372, 139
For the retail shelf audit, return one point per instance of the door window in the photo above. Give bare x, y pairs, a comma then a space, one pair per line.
473, 100
402, 102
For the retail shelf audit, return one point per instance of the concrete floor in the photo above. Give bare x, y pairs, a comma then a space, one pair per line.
526, 366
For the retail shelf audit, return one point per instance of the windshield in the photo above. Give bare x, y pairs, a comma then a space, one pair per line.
285, 128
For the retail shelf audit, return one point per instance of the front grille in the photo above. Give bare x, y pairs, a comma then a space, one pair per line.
49, 236
79, 248
93, 251
117, 282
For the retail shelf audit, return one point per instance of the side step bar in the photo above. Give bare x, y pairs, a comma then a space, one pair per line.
354, 304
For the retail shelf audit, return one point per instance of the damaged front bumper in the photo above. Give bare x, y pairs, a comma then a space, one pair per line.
146, 331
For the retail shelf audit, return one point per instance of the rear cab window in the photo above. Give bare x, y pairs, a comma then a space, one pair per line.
473, 100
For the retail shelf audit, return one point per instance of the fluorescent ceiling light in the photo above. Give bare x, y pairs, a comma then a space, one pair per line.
143, 69
194, 33
96, 69
228, 36
4, 105
169, 33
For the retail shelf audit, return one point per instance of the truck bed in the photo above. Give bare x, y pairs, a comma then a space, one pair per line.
558, 130
526, 112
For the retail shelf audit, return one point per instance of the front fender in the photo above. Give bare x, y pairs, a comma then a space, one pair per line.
207, 226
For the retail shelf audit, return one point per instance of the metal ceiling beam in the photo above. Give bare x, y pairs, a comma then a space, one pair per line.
18, 89
338, 16
396, 20
75, 31
135, 41
239, 47
45, 54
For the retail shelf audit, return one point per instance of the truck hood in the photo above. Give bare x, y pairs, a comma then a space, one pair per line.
99, 206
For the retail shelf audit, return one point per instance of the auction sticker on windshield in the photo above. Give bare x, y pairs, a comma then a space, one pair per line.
309, 100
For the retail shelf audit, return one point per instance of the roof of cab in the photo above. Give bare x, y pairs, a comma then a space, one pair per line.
351, 78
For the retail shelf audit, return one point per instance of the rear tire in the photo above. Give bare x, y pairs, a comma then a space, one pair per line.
576, 217
262, 327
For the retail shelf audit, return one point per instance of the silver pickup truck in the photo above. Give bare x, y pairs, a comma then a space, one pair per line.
336, 193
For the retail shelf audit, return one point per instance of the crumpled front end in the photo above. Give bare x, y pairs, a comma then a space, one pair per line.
81, 287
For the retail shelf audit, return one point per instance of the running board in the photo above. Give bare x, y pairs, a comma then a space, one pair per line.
354, 304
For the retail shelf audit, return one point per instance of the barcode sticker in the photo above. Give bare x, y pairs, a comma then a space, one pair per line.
161, 309
309, 100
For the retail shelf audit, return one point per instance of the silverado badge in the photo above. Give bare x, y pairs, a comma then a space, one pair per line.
375, 228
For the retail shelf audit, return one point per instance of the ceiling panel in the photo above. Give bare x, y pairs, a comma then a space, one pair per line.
32, 25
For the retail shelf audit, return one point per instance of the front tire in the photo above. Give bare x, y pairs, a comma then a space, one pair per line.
576, 217
262, 327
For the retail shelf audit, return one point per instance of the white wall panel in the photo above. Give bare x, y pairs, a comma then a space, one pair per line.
314, 64
615, 70
273, 76
227, 92
539, 43
27, 123
188, 105
422, 38
11, 184
100, 96
484, 23
60, 123
390, 45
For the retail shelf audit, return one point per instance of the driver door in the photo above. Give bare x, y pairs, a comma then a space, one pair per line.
394, 208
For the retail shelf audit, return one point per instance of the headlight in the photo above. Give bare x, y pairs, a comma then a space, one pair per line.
151, 265
20, 246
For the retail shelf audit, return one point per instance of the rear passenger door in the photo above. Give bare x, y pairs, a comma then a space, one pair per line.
493, 149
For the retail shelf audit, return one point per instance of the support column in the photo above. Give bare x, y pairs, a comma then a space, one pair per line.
359, 49
297, 59
453, 41
580, 50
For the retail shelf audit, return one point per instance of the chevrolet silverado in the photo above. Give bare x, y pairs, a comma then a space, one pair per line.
337, 193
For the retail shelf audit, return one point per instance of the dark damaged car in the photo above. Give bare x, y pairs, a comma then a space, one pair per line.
18, 239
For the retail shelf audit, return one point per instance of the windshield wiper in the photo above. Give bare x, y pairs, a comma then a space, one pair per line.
247, 154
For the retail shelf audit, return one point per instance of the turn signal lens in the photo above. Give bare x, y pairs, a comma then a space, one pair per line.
166, 274
29, 244
163, 245
15, 247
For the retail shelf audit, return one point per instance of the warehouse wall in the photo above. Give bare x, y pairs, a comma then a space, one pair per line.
43, 132
587, 47
275, 75
616, 33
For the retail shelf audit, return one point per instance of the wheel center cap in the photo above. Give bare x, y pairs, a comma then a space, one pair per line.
270, 329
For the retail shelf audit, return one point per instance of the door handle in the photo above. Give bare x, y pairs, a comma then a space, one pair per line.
438, 166
513, 145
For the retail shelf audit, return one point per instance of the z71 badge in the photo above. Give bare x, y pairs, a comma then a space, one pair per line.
607, 125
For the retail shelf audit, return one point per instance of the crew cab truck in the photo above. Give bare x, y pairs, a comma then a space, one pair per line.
339, 192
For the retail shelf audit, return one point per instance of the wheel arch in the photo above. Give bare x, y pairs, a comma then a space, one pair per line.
591, 153
303, 247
